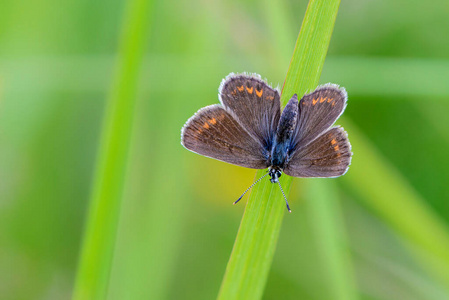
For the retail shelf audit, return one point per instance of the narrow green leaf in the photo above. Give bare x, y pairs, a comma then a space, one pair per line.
98, 247
253, 251
323, 206
322, 202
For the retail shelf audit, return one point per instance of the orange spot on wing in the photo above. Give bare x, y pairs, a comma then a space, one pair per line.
334, 141
213, 121
333, 103
206, 126
336, 148
250, 90
269, 97
259, 93
240, 88
329, 100
322, 99
314, 101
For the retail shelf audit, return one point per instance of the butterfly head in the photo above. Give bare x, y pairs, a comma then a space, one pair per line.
275, 173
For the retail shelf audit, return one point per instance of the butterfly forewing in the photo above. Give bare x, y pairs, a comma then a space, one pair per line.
317, 112
329, 155
215, 133
254, 104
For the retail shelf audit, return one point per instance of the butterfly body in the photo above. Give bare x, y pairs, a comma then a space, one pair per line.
284, 134
249, 130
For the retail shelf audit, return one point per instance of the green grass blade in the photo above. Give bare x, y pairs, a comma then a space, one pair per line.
96, 256
250, 261
321, 197
311, 48
323, 206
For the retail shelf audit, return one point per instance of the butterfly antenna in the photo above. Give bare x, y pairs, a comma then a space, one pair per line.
286, 202
249, 188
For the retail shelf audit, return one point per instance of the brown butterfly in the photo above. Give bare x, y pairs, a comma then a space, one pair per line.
248, 129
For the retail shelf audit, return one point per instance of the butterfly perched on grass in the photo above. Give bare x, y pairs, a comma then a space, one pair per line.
248, 129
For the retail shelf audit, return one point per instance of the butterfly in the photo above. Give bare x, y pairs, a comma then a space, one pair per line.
248, 129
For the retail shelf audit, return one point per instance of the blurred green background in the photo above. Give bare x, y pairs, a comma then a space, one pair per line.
177, 224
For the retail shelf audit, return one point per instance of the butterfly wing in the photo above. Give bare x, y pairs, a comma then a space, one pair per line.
215, 133
254, 104
317, 112
329, 155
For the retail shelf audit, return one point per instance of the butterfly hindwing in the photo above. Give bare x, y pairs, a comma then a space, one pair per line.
215, 133
317, 112
329, 155
254, 104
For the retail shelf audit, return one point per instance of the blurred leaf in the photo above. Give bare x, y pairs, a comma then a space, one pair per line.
389, 76
327, 223
388, 193
99, 241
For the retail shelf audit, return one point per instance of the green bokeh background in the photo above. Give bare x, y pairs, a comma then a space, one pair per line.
177, 224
